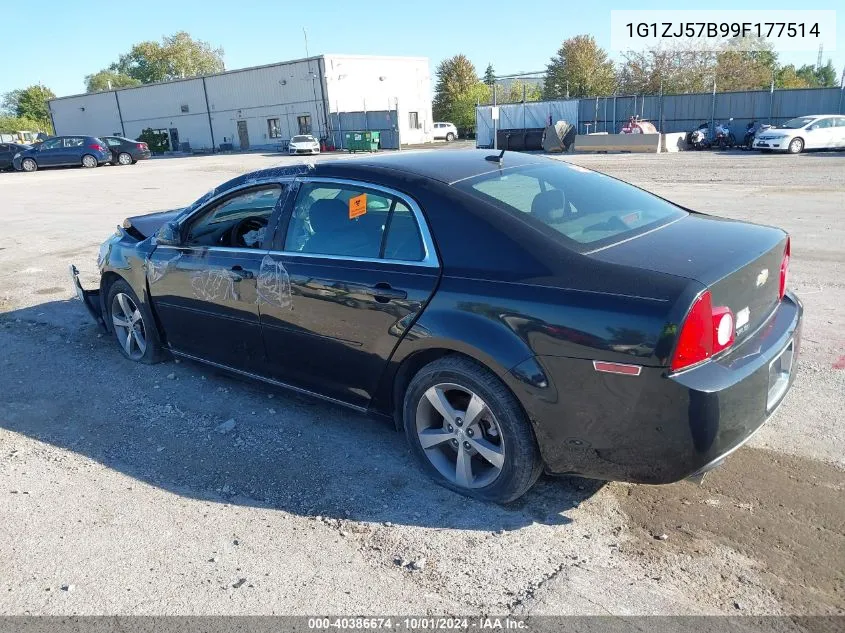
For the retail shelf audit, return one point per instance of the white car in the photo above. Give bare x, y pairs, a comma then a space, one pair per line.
445, 130
304, 144
817, 131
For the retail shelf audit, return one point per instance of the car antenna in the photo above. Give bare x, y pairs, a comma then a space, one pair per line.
496, 159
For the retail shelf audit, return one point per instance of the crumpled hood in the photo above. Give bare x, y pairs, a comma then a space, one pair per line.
148, 224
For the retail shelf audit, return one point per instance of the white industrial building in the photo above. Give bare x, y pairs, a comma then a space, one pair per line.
264, 106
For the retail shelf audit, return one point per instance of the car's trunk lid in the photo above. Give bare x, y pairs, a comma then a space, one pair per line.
738, 262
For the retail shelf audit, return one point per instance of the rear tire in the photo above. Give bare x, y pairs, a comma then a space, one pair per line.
483, 446
796, 146
88, 161
133, 325
29, 164
450, 137
124, 159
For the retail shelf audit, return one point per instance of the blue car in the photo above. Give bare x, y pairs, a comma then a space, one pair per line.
88, 151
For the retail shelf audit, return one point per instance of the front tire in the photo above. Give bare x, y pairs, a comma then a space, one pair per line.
796, 146
133, 325
29, 164
469, 431
89, 161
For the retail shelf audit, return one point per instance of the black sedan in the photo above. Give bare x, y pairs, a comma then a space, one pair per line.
7, 153
125, 151
513, 315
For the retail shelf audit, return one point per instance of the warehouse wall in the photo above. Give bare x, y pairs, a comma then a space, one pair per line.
295, 93
358, 83
92, 114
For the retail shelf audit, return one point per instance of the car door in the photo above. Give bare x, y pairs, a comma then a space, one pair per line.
72, 150
839, 129
49, 152
6, 154
114, 146
353, 269
204, 288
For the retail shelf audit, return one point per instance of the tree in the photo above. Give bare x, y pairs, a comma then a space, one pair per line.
29, 103
787, 77
674, 70
457, 92
12, 124
109, 80
580, 69
819, 76
532, 92
745, 64
489, 75
176, 57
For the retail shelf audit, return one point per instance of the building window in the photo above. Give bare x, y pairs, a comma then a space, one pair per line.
185, 108
304, 123
414, 120
273, 128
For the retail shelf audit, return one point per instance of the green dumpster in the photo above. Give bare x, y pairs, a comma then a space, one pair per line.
364, 141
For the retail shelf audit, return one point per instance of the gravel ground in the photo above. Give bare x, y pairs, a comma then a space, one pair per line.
121, 494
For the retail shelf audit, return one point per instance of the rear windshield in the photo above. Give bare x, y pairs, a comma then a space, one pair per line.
586, 209
302, 139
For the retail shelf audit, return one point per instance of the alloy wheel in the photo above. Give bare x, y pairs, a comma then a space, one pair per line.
796, 145
128, 326
29, 164
460, 436
124, 159
89, 161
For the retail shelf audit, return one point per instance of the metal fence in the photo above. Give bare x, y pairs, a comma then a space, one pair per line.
385, 122
522, 116
680, 113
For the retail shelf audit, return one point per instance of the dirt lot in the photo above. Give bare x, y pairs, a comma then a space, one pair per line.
119, 495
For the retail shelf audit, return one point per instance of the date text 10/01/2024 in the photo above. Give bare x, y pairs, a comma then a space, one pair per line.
722, 29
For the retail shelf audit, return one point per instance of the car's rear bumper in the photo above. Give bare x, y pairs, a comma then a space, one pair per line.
142, 155
657, 427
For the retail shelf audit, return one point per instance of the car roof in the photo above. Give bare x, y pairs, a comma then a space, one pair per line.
447, 166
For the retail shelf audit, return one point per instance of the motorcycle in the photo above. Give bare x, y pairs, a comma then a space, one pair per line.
700, 137
724, 137
751, 131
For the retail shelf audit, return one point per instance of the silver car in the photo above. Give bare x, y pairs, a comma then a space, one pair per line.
817, 131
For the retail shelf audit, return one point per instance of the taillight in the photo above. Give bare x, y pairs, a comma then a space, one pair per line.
706, 331
784, 268
142, 146
97, 147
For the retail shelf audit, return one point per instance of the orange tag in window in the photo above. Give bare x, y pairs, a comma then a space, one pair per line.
357, 206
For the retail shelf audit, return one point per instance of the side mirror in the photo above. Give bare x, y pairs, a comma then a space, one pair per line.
168, 235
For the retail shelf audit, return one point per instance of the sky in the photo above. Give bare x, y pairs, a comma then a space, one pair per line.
75, 39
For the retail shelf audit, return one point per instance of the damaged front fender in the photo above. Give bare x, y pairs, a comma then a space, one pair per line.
90, 298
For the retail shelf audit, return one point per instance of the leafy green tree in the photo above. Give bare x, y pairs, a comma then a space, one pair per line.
745, 64
176, 57
109, 80
30, 103
581, 68
489, 75
533, 92
674, 70
457, 92
819, 77
12, 124
787, 77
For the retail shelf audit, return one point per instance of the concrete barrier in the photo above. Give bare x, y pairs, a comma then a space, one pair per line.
642, 143
674, 142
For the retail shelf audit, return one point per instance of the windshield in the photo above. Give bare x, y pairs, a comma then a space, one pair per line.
800, 122
583, 207
302, 139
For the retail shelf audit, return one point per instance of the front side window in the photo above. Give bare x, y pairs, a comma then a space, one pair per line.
273, 130
582, 207
51, 144
239, 221
352, 221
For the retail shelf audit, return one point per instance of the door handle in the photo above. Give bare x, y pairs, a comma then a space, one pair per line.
384, 292
239, 274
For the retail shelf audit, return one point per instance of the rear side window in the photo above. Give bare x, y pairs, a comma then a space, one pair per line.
351, 221
113, 142
586, 209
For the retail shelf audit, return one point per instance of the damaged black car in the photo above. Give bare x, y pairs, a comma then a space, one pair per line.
513, 314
